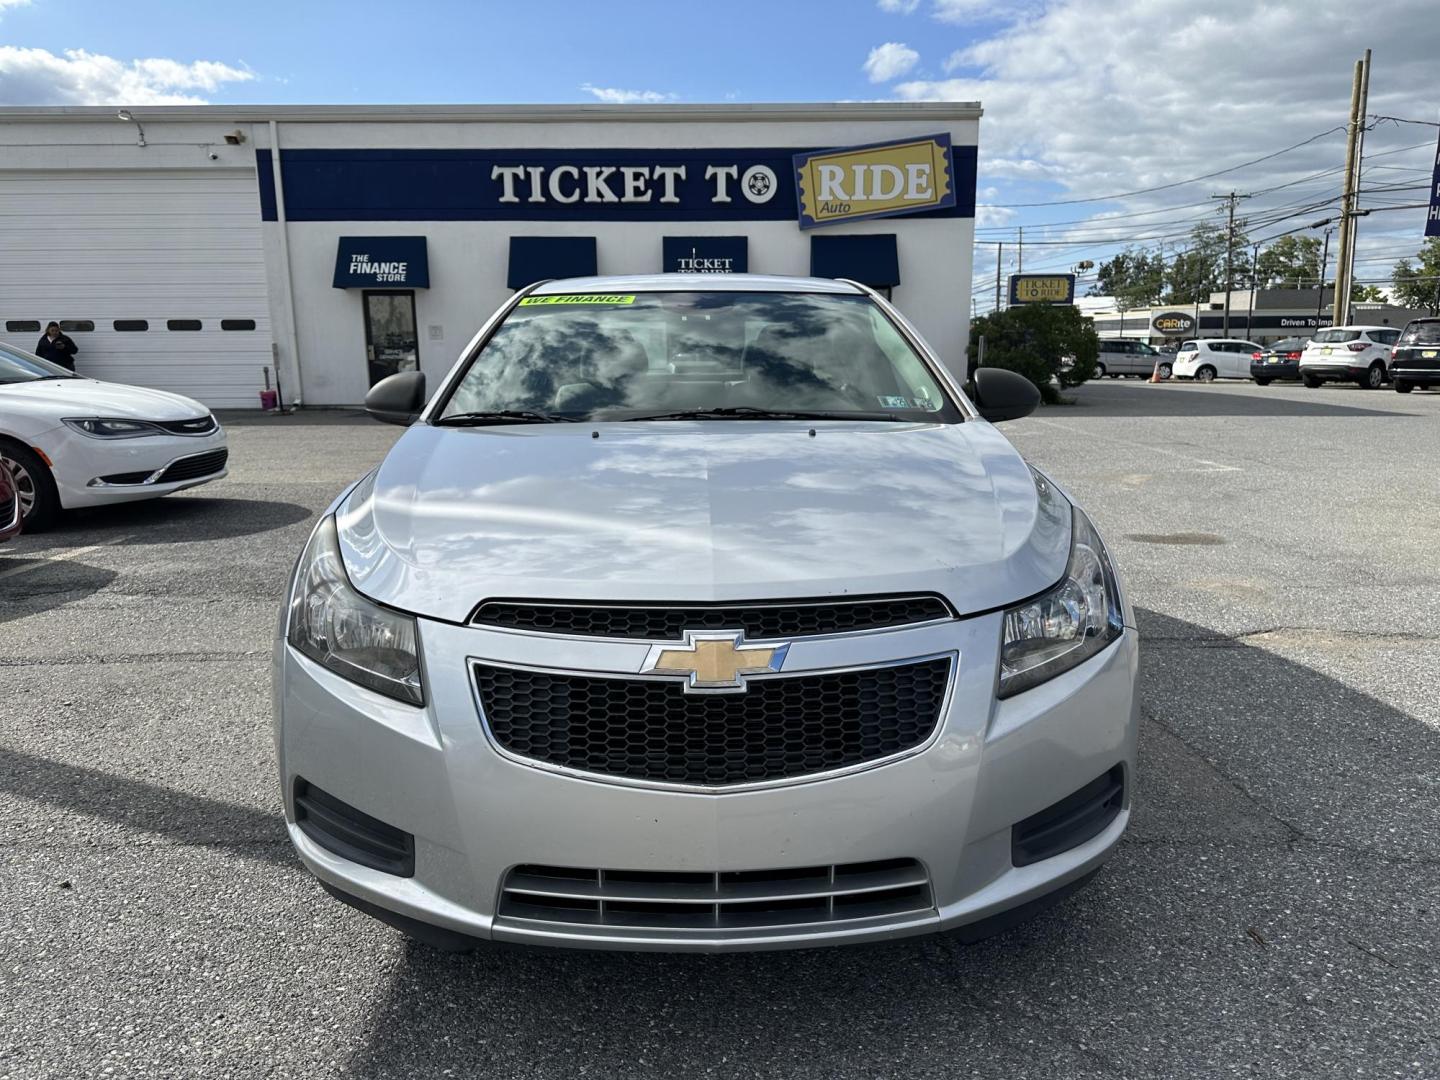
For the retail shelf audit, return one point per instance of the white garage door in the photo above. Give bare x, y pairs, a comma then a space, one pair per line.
159, 276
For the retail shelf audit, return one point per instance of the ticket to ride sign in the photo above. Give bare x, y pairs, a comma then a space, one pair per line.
1042, 289
855, 183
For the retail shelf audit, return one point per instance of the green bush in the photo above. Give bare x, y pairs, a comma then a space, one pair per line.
1032, 338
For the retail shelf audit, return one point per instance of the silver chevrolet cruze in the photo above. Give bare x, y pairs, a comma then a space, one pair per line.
703, 612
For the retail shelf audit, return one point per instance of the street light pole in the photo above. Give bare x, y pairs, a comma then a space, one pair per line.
1320, 293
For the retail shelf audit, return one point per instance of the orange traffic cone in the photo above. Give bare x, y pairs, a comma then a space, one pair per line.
1155, 375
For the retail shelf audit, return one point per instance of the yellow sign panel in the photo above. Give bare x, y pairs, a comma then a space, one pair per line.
883, 180
577, 298
1042, 288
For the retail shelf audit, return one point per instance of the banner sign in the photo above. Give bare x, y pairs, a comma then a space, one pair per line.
1173, 323
878, 180
630, 184
1042, 289
1432, 219
368, 262
704, 255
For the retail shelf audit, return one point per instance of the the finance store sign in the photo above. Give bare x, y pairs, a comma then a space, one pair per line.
923, 175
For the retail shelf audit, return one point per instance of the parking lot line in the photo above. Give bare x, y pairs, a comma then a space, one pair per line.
61, 555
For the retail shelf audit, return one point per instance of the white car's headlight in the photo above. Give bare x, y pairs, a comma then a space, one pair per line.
1067, 625
101, 427
354, 637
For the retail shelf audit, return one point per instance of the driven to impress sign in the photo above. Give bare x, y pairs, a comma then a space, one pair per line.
874, 181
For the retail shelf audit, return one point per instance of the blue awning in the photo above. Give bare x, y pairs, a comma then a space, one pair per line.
382, 262
871, 259
539, 258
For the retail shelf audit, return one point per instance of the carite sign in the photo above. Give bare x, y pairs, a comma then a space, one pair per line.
1042, 289
629, 184
1173, 322
856, 183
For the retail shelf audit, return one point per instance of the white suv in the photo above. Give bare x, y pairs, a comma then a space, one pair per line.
1349, 354
1214, 358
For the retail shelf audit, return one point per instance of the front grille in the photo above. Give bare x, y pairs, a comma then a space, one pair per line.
192, 468
1078, 817
126, 478
651, 729
822, 897
352, 834
200, 425
667, 622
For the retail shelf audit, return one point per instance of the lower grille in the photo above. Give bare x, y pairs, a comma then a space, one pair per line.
1080, 816
816, 896
192, 468
651, 729
126, 478
352, 834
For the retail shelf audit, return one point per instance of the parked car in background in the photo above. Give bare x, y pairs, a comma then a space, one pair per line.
1415, 360
68, 441
1205, 359
703, 612
1120, 356
1359, 354
9, 506
1278, 361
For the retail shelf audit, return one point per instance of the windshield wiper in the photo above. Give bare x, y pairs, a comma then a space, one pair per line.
750, 412
503, 416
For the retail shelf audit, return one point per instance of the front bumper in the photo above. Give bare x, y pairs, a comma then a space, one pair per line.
476, 814
79, 464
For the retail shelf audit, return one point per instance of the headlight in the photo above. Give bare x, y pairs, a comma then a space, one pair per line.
335, 626
1067, 625
99, 427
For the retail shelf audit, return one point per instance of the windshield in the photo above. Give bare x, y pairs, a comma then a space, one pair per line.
1332, 337
593, 356
1421, 333
1294, 344
18, 366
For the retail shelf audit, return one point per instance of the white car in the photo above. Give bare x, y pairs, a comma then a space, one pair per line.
69, 441
1207, 359
1358, 354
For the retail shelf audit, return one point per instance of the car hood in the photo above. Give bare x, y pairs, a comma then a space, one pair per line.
732, 510
90, 397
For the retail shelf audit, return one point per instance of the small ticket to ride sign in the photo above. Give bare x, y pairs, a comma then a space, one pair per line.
879, 180
1042, 288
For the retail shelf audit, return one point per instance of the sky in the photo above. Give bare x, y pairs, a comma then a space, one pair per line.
1088, 103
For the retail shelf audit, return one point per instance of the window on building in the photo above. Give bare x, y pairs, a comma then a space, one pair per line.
22, 326
182, 324
237, 324
131, 325
77, 326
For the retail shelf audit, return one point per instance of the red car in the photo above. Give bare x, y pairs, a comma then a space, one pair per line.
9, 505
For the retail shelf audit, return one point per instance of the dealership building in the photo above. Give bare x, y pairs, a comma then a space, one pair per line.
211, 250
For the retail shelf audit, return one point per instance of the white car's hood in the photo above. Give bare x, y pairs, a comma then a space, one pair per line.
89, 397
711, 511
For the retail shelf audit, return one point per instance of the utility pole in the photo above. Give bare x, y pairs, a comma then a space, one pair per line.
1232, 199
1324, 262
1254, 284
1020, 256
1347, 202
999, 250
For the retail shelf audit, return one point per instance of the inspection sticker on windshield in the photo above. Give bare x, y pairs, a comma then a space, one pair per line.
579, 298
894, 402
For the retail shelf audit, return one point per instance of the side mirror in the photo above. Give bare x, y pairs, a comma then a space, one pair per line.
1001, 394
397, 399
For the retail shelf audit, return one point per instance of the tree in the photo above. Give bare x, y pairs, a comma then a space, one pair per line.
1134, 278
1419, 286
1290, 262
1032, 338
1199, 270
1366, 294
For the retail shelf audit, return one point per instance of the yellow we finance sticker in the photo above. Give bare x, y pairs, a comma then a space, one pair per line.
578, 298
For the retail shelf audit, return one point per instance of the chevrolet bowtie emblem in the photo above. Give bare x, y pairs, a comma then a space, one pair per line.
714, 660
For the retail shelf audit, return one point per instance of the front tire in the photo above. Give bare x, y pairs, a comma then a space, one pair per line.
1166, 371
1205, 374
39, 499
1374, 378
1099, 371
1310, 381
1262, 382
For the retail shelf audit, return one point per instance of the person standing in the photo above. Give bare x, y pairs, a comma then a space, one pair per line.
57, 347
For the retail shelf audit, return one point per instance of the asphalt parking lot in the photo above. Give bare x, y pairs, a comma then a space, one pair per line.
1274, 911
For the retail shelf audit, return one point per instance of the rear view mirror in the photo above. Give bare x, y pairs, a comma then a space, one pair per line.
1001, 394
397, 399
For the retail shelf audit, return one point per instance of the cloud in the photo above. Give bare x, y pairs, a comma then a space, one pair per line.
615, 96
12, 3
893, 7
961, 11
39, 77
889, 61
